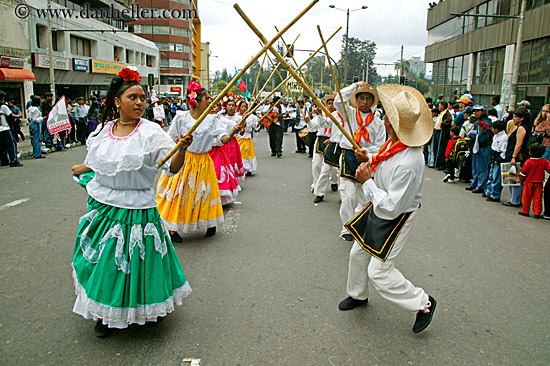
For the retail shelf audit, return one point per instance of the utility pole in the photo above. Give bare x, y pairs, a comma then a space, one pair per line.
515, 72
402, 66
346, 51
50, 50
367, 72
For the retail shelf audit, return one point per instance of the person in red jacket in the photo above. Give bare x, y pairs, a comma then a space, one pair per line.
532, 178
451, 165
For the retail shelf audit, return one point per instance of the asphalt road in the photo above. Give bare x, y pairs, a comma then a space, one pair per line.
267, 286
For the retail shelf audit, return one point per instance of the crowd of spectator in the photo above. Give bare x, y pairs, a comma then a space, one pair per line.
471, 141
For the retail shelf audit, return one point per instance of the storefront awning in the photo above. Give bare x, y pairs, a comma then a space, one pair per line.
16, 75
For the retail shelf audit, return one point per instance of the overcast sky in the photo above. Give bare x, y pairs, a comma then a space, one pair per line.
389, 23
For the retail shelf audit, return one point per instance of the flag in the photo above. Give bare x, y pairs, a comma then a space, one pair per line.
58, 118
240, 85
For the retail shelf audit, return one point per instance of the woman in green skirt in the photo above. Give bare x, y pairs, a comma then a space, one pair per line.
125, 268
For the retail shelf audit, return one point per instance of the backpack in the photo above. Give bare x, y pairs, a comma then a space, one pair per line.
458, 153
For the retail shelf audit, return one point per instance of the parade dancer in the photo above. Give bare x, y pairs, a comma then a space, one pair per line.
125, 269
229, 119
369, 134
191, 199
327, 172
381, 229
245, 141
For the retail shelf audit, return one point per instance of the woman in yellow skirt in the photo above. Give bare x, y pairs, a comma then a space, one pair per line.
191, 199
245, 139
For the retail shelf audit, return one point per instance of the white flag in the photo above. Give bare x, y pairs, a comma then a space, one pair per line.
58, 118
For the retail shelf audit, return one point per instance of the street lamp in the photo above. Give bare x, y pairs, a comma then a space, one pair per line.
347, 37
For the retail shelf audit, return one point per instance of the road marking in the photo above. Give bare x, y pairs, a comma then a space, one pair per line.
14, 203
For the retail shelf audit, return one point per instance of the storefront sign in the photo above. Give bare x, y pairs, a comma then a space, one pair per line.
58, 62
12, 62
106, 67
175, 89
80, 64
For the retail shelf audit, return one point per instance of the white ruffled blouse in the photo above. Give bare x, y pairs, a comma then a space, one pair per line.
251, 123
209, 133
125, 166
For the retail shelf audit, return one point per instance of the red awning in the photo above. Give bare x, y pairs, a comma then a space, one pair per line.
16, 75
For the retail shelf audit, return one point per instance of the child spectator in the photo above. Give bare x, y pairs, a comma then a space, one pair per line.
532, 178
451, 160
493, 114
431, 156
498, 148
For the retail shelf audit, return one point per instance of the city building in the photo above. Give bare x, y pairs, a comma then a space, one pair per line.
417, 66
87, 52
177, 38
205, 65
477, 53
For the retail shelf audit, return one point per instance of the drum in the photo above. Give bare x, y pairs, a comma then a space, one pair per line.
303, 134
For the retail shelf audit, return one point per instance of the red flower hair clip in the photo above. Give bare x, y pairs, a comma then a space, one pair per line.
230, 97
192, 90
130, 75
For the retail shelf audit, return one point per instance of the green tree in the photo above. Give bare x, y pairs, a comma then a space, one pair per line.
359, 54
406, 66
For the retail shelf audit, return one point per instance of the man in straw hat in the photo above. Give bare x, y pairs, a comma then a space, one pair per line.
368, 132
395, 193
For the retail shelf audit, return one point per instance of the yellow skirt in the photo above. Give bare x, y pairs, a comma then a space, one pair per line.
191, 198
247, 148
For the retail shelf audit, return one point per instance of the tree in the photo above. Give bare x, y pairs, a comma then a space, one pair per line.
359, 54
406, 66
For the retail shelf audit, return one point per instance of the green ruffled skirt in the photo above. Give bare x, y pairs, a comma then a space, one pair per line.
125, 268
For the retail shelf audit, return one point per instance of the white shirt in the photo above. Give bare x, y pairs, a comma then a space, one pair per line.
302, 123
376, 129
229, 122
397, 184
208, 134
5, 111
337, 135
251, 123
500, 143
500, 111
34, 114
125, 166
325, 126
313, 124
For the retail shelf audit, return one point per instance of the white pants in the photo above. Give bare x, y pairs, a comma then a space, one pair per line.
386, 279
327, 172
353, 201
316, 164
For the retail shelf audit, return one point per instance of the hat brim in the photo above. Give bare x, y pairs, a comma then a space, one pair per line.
353, 101
422, 131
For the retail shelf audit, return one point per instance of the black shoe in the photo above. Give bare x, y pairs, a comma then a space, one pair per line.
510, 204
248, 174
318, 199
483, 195
176, 238
273, 154
101, 330
350, 303
478, 190
16, 164
424, 319
40, 157
537, 217
279, 155
523, 214
211, 231
469, 188
491, 199
347, 237
334, 187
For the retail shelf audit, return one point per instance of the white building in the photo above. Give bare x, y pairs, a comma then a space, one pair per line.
417, 66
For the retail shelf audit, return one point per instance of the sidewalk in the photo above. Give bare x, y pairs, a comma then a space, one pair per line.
24, 148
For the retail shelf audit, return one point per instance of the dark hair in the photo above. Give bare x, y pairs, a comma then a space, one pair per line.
492, 112
93, 98
48, 94
537, 150
498, 125
2, 95
243, 101
35, 101
11, 101
523, 113
456, 106
496, 98
202, 92
358, 94
455, 130
435, 110
117, 87
444, 104
429, 100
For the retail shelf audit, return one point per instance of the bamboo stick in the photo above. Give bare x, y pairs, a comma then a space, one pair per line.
258, 77
237, 77
297, 77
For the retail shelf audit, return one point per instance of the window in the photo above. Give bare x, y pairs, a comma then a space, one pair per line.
465, 69
160, 29
539, 61
41, 36
81, 46
438, 72
186, 64
178, 31
150, 61
524, 62
449, 73
143, 58
482, 21
130, 57
449, 29
457, 70
492, 10
175, 63
469, 22
118, 54
138, 58
489, 66
163, 62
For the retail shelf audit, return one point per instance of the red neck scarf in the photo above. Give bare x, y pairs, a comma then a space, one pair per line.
362, 130
384, 154
341, 118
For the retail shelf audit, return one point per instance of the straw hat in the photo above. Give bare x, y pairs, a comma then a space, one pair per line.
329, 97
353, 101
408, 113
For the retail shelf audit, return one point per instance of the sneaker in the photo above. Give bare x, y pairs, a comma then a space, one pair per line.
347, 237
176, 238
334, 187
318, 199
423, 318
523, 214
211, 231
101, 330
446, 179
546, 217
350, 303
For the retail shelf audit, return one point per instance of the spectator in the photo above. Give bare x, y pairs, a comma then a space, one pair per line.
468, 133
524, 104
495, 102
46, 108
70, 111
8, 150
481, 151
492, 114
454, 111
300, 122
439, 100
498, 149
35, 122
430, 144
542, 129
429, 102
443, 124
15, 122
468, 95
93, 116
28, 105
462, 103
532, 178
81, 114
515, 151
454, 96
451, 161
